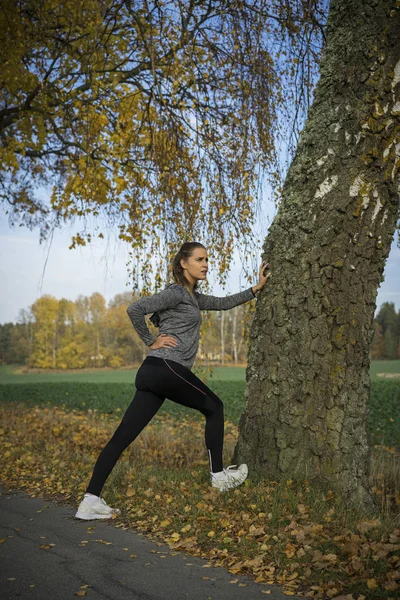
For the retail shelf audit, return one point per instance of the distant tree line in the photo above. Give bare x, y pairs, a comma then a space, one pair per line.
63, 334
386, 340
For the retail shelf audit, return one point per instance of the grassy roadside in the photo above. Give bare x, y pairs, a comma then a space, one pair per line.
306, 540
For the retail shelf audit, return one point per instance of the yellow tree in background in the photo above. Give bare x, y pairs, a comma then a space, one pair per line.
45, 312
71, 351
158, 116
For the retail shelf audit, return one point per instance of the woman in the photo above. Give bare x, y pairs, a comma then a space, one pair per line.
166, 372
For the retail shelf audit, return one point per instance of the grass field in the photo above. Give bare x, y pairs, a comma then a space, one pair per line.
12, 374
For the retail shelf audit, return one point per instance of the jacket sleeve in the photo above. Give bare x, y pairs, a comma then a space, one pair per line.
216, 303
147, 304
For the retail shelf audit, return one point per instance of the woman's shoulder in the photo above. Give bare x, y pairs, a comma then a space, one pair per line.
180, 289
175, 287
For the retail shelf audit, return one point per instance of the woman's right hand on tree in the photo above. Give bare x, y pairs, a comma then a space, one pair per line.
164, 341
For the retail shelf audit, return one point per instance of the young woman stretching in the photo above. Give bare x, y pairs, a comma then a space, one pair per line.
165, 372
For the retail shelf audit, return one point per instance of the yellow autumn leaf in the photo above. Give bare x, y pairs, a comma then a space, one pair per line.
366, 525
371, 583
165, 523
331, 557
211, 534
103, 542
290, 550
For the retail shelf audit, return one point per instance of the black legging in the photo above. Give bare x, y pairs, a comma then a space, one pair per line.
157, 379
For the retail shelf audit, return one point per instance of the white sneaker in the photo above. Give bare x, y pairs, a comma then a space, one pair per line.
229, 478
94, 507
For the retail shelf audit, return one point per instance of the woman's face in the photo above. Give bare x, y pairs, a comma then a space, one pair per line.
196, 266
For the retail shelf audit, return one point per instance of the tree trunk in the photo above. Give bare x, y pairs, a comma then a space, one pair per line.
54, 346
222, 336
234, 335
308, 366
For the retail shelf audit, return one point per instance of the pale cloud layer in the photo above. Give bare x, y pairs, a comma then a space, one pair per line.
28, 270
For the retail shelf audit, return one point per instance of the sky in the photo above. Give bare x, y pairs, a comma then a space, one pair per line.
29, 270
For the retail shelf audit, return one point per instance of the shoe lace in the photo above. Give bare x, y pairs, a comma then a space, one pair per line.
230, 468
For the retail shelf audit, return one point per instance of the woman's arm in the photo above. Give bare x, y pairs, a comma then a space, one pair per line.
224, 303
215, 303
168, 298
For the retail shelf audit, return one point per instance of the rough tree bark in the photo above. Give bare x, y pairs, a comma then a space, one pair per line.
308, 365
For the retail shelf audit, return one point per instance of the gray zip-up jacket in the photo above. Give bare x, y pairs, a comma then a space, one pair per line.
177, 313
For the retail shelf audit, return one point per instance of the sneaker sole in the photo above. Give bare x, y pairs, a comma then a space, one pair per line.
227, 488
91, 516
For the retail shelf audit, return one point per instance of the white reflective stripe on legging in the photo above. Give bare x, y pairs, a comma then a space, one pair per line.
209, 456
184, 378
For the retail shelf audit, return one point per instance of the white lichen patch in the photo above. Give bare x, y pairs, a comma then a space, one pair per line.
356, 186
396, 76
358, 137
360, 188
337, 127
396, 108
388, 123
323, 159
348, 137
378, 111
386, 151
385, 214
378, 205
326, 186
396, 161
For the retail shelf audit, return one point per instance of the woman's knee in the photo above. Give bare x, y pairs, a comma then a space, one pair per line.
213, 405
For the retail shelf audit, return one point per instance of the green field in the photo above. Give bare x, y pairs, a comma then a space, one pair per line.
111, 391
8, 374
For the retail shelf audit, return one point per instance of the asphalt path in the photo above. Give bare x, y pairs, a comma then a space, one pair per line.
47, 554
